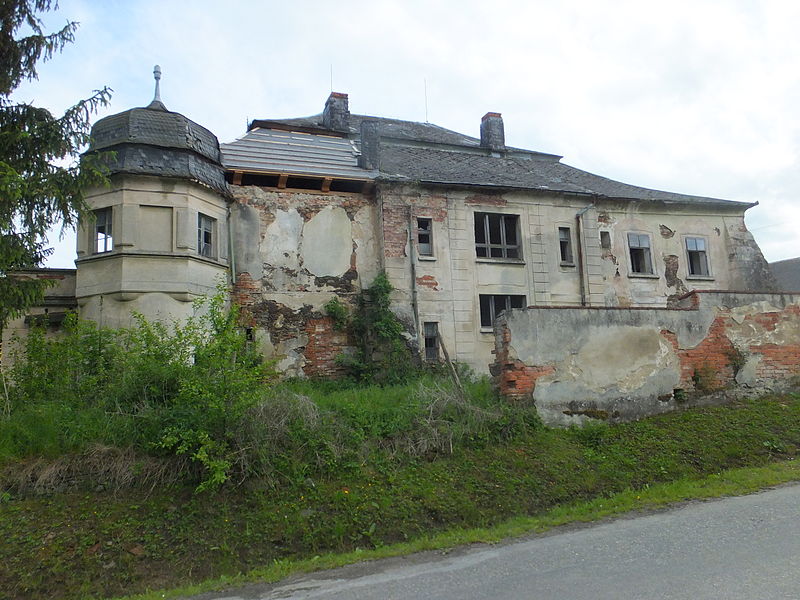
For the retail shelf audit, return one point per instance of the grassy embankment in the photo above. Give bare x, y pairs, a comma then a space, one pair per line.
397, 469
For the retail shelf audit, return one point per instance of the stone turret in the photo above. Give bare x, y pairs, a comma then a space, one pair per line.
158, 239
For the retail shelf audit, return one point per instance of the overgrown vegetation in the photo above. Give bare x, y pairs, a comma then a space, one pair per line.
107, 436
97, 543
185, 391
383, 356
194, 404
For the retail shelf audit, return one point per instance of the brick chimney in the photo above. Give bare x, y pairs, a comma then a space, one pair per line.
336, 115
493, 135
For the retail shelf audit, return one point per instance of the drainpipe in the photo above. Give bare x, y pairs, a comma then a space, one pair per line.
231, 259
412, 253
579, 239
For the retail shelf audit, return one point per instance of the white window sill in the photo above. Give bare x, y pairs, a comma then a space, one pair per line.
487, 329
502, 261
700, 277
425, 257
643, 276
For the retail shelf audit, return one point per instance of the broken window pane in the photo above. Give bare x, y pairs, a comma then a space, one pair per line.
103, 239
565, 245
496, 236
697, 257
493, 304
639, 248
205, 235
431, 334
425, 236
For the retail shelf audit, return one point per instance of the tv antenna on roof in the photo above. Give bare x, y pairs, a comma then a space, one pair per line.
331, 77
425, 84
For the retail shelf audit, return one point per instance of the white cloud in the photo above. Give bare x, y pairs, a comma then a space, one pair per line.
697, 97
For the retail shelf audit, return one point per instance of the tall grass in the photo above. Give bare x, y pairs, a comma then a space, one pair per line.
197, 391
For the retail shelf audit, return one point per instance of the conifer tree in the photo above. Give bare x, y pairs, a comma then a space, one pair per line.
42, 176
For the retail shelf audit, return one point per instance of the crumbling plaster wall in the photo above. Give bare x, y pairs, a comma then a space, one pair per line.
294, 251
622, 364
734, 259
450, 283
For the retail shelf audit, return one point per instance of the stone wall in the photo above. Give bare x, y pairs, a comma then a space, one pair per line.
620, 364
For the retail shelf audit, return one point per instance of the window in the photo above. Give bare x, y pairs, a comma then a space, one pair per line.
431, 334
205, 235
425, 236
639, 248
697, 257
605, 240
103, 239
493, 304
565, 245
496, 236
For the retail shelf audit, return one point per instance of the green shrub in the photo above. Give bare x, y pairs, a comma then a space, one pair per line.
181, 390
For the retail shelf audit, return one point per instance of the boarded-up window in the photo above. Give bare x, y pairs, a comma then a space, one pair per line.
155, 228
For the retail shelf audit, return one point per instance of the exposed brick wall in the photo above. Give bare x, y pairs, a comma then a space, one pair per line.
716, 355
515, 379
719, 340
324, 345
397, 205
286, 301
428, 281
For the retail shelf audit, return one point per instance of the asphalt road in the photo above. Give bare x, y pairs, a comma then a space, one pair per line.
735, 548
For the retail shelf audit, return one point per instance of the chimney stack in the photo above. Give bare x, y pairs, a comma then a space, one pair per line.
336, 115
493, 135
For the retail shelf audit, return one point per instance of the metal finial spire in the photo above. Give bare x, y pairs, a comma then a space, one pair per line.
156, 103
157, 75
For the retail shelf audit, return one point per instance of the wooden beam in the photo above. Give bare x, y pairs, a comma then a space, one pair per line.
282, 181
326, 184
237, 178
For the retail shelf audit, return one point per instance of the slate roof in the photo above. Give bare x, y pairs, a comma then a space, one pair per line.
423, 152
787, 274
275, 151
155, 141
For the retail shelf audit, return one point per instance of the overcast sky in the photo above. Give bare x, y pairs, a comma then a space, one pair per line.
693, 97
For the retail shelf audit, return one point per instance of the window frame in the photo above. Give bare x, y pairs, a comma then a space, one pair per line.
422, 232
565, 259
206, 249
505, 248
487, 303
688, 253
108, 235
430, 352
648, 256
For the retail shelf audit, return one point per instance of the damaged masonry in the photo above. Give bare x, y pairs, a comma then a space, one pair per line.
483, 244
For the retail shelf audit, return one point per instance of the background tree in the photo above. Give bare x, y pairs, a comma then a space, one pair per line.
41, 175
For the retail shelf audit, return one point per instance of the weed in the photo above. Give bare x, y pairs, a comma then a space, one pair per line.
705, 379
339, 312
737, 359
